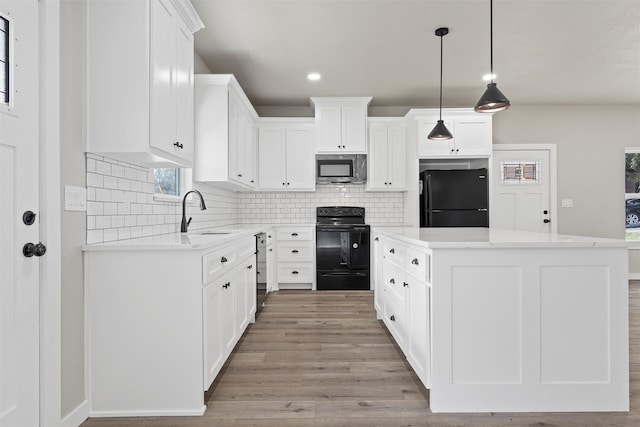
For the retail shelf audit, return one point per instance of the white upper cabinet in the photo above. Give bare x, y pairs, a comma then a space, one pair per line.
140, 80
341, 124
225, 133
472, 133
285, 155
387, 160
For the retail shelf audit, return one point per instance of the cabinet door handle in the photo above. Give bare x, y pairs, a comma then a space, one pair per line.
338, 146
392, 251
546, 221
415, 261
252, 181
405, 284
270, 249
392, 280
389, 183
295, 251
226, 285
294, 272
294, 234
224, 259
376, 239
250, 266
177, 144
283, 184
239, 175
392, 318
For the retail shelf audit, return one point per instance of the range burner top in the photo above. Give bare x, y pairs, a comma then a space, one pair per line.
340, 215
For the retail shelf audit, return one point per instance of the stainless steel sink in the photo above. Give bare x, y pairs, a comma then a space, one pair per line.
212, 232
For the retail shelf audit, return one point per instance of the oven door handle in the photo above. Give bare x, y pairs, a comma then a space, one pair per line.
344, 273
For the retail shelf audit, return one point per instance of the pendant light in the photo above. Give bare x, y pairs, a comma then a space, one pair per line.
492, 100
440, 131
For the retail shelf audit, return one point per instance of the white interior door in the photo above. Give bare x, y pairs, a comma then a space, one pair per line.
521, 189
19, 275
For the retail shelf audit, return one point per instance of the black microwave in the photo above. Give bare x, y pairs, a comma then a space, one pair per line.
341, 168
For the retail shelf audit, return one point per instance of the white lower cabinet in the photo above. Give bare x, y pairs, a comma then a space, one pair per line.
296, 257
403, 297
229, 303
162, 323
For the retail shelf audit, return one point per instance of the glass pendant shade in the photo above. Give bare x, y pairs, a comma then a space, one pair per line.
440, 132
492, 100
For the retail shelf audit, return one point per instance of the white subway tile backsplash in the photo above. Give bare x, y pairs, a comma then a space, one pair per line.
121, 204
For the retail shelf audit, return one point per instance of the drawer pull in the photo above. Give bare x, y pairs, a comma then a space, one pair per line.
226, 285
405, 284
295, 251
224, 259
294, 234
376, 239
392, 251
249, 267
414, 261
294, 272
392, 280
270, 249
392, 318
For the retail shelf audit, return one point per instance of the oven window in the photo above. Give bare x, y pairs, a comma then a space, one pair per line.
335, 168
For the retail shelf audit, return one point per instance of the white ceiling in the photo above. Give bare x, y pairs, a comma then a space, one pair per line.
545, 52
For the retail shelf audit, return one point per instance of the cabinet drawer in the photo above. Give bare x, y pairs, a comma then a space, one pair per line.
394, 251
289, 251
295, 272
218, 262
394, 279
246, 248
395, 319
271, 237
417, 264
295, 233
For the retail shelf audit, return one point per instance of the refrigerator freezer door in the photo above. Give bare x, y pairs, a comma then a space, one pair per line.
457, 189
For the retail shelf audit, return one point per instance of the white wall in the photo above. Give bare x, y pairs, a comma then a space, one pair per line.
73, 224
590, 147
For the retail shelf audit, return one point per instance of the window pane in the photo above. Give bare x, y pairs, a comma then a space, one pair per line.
516, 172
167, 181
632, 198
4, 60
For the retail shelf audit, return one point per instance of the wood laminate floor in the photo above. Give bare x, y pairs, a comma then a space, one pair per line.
322, 359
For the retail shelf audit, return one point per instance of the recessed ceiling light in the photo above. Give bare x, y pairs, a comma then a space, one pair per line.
314, 76
488, 77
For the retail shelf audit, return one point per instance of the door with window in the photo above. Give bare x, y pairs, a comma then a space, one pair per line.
19, 215
521, 189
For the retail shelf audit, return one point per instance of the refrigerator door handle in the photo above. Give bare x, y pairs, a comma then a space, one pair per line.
429, 202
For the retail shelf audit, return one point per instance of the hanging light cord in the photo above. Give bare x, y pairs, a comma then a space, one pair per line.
491, 35
441, 76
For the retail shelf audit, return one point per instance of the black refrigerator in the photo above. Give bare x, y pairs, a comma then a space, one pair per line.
454, 198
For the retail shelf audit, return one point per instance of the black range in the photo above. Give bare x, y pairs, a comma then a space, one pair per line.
342, 249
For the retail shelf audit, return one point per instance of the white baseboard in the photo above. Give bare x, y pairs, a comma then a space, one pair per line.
153, 413
77, 416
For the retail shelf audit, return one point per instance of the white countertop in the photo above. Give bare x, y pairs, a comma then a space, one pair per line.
469, 237
193, 240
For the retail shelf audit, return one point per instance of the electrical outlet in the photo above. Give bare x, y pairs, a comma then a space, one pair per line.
75, 198
567, 203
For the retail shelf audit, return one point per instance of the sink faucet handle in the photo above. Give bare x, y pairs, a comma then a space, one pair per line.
189, 222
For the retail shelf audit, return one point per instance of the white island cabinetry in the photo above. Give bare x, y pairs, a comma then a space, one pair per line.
162, 318
505, 321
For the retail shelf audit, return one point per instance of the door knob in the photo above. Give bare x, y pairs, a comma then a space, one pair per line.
29, 249
29, 217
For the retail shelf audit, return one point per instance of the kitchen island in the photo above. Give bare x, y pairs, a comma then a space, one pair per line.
507, 321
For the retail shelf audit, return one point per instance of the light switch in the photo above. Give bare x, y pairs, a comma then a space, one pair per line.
75, 198
567, 203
